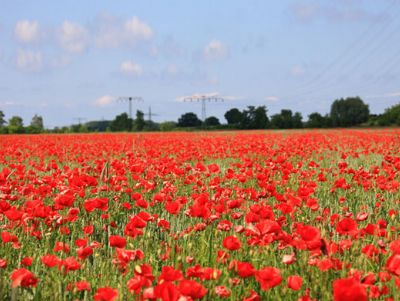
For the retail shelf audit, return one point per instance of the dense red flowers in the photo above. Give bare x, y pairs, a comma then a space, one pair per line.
192, 216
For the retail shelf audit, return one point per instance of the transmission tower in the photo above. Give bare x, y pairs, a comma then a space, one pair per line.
79, 119
129, 99
203, 99
149, 114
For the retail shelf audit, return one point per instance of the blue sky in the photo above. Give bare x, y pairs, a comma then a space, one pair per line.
74, 59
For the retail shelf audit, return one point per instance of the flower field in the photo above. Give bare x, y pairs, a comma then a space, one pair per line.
306, 215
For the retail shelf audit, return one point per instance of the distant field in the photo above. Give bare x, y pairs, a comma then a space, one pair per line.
258, 215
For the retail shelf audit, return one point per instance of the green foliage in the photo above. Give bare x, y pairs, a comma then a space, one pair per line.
167, 126
121, 122
2, 119
286, 120
233, 116
349, 112
316, 120
139, 123
151, 126
255, 118
16, 125
211, 121
98, 126
189, 120
36, 125
391, 116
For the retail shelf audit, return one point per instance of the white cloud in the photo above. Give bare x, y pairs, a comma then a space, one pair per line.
27, 31
215, 50
28, 60
104, 100
131, 68
113, 32
73, 37
272, 98
297, 70
138, 29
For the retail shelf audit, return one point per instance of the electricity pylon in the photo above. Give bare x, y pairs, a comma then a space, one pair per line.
79, 119
203, 99
129, 99
149, 114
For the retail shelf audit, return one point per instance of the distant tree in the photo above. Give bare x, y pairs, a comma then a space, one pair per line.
151, 126
36, 125
2, 119
121, 122
167, 126
98, 125
233, 116
139, 122
297, 120
255, 118
316, 120
211, 121
16, 125
189, 120
283, 120
349, 112
391, 116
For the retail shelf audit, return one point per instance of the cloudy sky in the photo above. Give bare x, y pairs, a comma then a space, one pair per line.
75, 59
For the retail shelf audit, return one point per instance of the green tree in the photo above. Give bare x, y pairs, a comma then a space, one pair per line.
16, 125
139, 122
349, 112
255, 118
2, 119
36, 125
297, 120
391, 116
121, 122
316, 120
283, 120
167, 126
189, 120
233, 116
211, 121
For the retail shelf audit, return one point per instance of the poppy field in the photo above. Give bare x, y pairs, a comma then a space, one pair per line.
268, 215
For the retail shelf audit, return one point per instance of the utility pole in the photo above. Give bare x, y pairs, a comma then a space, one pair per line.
129, 99
149, 114
79, 119
203, 99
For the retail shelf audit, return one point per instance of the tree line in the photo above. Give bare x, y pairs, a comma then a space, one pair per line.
344, 112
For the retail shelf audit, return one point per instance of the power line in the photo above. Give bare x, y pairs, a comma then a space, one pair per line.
346, 57
80, 119
203, 99
150, 114
130, 99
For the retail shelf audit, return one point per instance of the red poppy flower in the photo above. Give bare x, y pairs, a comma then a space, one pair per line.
346, 226
294, 282
49, 260
222, 291
393, 264
349, 289
24, 278
192, 289
106, 294
268, 277
117, 241
231, 243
